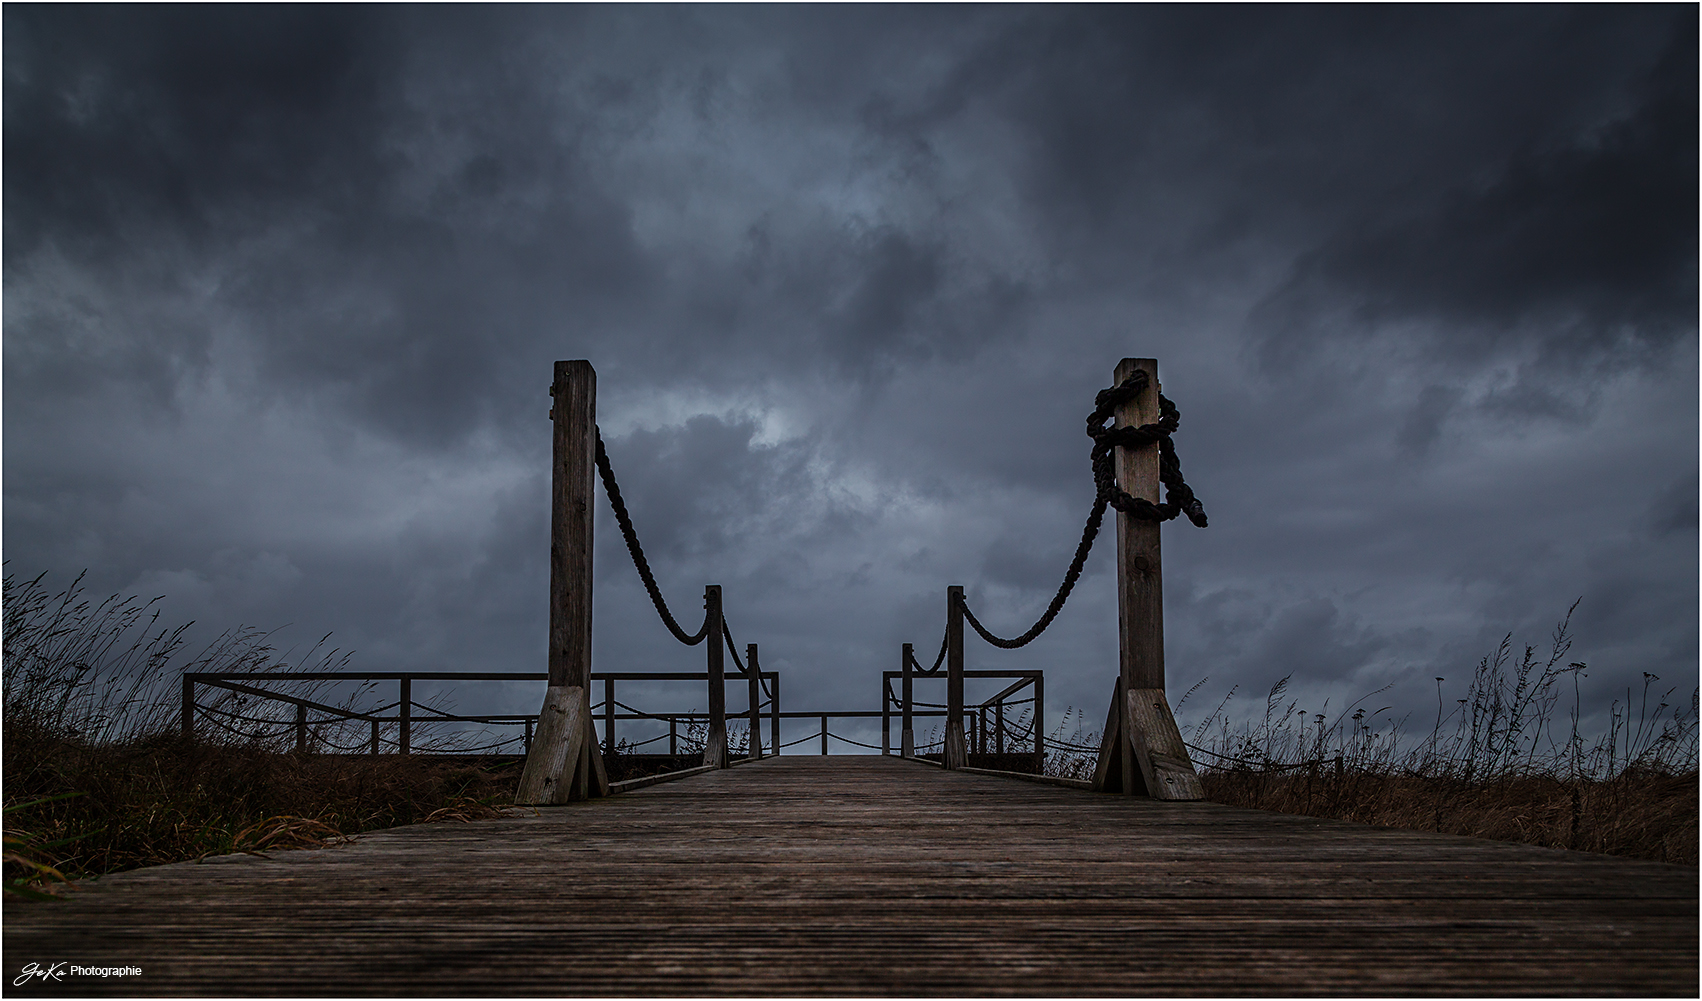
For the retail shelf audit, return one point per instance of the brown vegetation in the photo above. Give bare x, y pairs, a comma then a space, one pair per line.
1646, 815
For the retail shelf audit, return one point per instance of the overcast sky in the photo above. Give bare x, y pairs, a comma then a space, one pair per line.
283, 288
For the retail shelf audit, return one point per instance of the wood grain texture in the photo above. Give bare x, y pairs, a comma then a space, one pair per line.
1166, 770
548, 775
572, 522
880, 876
1140, 580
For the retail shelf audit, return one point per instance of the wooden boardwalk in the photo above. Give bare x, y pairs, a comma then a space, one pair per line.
868, 875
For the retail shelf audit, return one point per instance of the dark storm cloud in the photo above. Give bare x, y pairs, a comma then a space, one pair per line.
283, 287
1590, 235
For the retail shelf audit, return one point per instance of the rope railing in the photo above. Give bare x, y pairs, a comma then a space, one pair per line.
636, 550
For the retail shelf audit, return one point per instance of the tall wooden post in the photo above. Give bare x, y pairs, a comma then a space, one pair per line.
756, 700
907, 732
715, 750
956, 751
1140, 586
565, 763
1141, 729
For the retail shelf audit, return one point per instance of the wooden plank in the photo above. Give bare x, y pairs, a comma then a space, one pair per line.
857, 876
1051, 780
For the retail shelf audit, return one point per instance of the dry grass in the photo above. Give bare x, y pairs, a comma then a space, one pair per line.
1506, 762
1645, 815
166, 800
98, 777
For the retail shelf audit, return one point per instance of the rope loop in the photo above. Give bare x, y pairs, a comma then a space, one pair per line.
1178, 496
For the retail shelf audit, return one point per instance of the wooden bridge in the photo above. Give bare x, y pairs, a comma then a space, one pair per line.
877, 876
866, 875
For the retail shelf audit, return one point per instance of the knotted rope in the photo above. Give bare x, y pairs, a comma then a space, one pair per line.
1178, 497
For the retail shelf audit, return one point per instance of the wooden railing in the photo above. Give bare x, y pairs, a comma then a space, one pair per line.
408, 712
986, 724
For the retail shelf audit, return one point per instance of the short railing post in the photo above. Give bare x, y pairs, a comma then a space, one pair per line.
609, 717
188, 717
1039, 722
999, 726
755, 688
886, 718
526, 738
715, 747
956, 752
907, 733
300, 728
673, 735
774, 717
405, 714
374, 736
824, 736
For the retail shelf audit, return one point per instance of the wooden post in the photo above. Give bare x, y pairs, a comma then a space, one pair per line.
1039, 725
956, 751
565, 763
374, 736
715, 750
755, 699
405, 715
526, 738
673, 734
907, 732
188, 717
1140, 591
999, 726
774, 717
886, 720
608, 716
1161, 766
824, 735
300, 728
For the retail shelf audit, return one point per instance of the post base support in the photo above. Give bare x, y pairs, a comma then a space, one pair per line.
956, 749
1142, 753
715, 749
564, 763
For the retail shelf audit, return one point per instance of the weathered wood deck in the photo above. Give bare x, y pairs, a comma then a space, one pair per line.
864, 875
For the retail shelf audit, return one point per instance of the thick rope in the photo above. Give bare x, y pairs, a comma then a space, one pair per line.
637, 552
1178, 497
